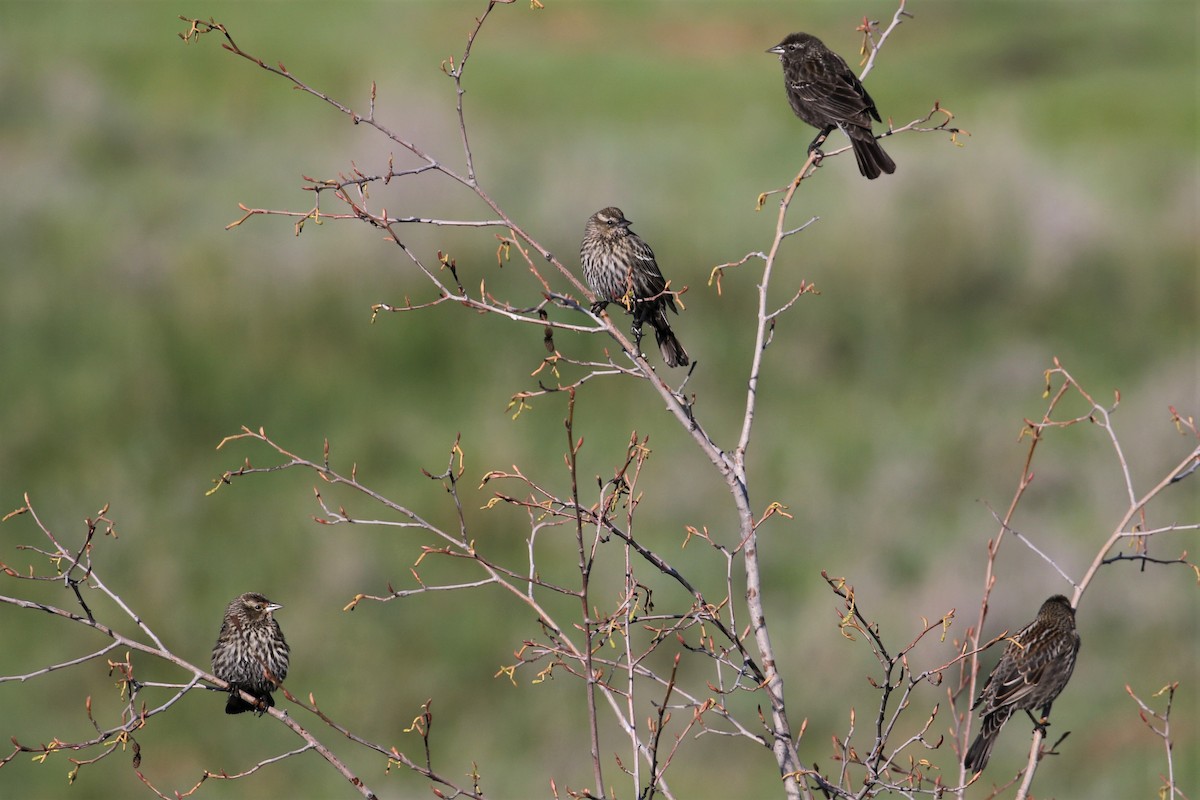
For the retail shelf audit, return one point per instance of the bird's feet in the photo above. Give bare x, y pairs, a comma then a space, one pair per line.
1039, 724
814, 147
636, 330
599, 306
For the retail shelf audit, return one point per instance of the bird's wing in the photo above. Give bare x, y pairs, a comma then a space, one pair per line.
838, 93
1017, 682
1028, 667
649, 277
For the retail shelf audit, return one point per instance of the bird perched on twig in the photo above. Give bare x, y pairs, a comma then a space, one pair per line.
826, 94
1032, 672
251, 654
620, 268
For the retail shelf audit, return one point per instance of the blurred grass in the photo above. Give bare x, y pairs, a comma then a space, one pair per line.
135, 333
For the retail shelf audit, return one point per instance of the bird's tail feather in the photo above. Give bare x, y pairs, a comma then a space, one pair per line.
872, 160
981, 749
672, 351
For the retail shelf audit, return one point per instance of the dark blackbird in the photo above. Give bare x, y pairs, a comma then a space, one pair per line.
251, 653
1031, 674
620, 268
826, 94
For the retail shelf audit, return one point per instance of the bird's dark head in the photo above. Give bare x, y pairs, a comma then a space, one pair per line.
1056, 607
794, 43
255, 607
609, 220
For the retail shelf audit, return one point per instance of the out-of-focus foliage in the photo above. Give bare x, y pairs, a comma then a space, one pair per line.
135, 333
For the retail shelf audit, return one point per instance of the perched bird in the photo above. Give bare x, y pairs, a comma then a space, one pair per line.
1031, 674
826, 94
620, 268
251, 653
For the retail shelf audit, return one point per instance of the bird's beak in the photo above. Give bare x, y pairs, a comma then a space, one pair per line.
273, 607
777, 50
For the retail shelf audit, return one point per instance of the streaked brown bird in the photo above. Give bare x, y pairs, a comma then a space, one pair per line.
620, 267
826, 94
251, 654
1032, 672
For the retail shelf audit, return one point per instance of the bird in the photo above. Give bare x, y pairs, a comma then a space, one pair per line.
826, 94
251, 654
620, 268
1034, 669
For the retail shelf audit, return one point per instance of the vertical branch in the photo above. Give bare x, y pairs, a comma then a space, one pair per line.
1149, 718
585, 571
459, 91
875, 46
783, 745
989, 576
766, 322
621, 483
630, 666
1035, 752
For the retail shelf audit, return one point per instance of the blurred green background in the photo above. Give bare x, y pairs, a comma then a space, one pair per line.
135, 333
